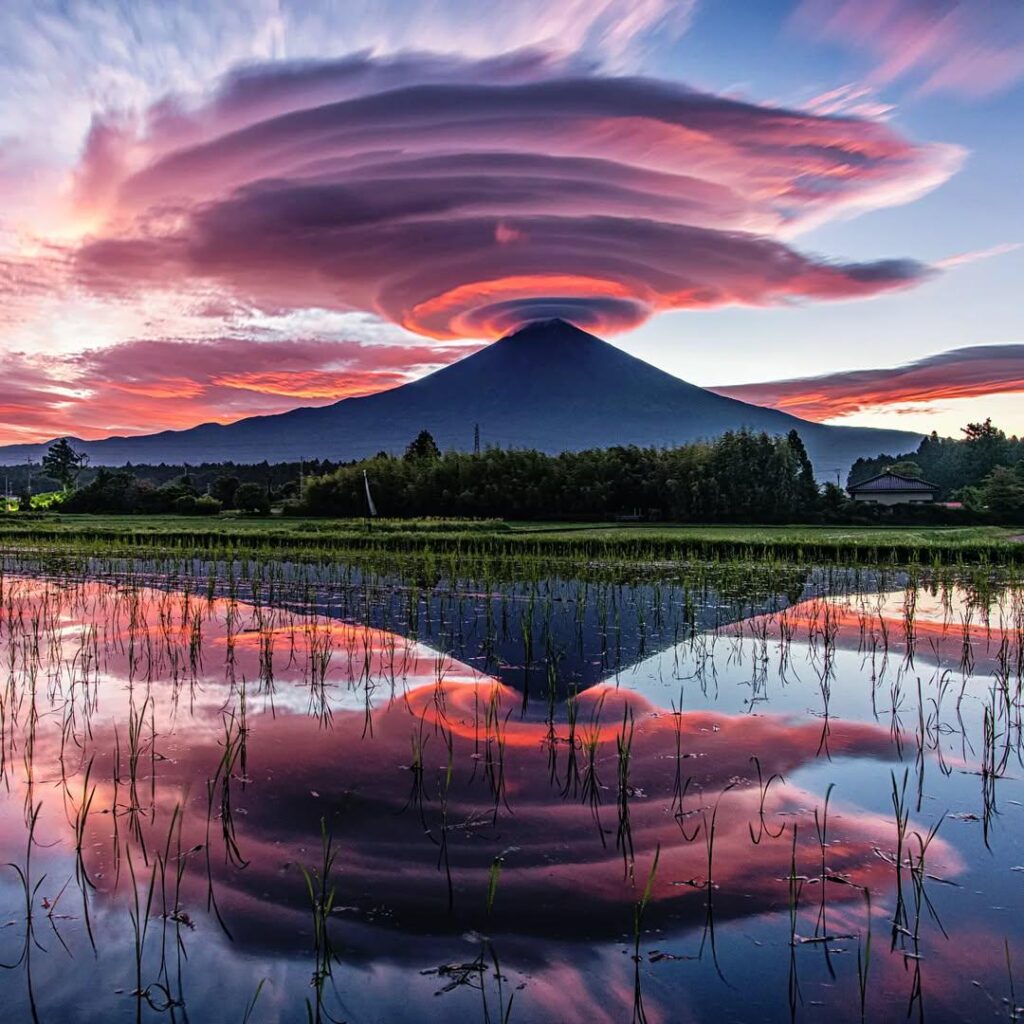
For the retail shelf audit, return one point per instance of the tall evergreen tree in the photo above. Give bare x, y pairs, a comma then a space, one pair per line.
423, 446
63, 463
807, 487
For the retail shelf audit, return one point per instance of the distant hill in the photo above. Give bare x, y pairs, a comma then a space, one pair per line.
549, 386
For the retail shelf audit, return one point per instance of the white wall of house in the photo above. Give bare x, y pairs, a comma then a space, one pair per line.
881, 498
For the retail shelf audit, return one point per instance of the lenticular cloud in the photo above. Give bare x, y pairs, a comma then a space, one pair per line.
461, 199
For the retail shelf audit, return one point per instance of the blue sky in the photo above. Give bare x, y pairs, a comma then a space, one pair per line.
756, 49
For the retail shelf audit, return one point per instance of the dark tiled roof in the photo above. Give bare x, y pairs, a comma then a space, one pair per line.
893, 482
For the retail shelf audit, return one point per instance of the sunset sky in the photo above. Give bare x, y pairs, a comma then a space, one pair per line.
214, 210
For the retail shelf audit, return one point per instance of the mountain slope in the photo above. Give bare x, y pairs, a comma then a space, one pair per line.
549, 386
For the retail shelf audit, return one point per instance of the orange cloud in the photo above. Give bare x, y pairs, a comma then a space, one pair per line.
313, 384
142, 386
959, 373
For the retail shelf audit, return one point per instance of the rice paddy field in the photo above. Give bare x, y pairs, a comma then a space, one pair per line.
639, 544
296, 771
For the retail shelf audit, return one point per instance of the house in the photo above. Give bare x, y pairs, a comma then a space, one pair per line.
893, 489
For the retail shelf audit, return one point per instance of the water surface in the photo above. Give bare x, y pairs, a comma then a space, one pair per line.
606, 804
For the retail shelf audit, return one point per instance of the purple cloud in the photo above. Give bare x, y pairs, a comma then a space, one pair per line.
460, 199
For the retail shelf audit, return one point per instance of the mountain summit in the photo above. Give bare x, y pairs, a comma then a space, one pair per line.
549, 386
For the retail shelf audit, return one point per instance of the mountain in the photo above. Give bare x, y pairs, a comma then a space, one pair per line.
549, 386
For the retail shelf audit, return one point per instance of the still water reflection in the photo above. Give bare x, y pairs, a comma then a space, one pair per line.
222, 810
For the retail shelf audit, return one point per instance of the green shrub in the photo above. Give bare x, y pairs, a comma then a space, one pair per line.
186, 505
252, 498
207, 506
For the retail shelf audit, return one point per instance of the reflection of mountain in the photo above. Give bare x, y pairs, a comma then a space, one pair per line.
562, 632
559, 633
580, 634
361, 729
549, 386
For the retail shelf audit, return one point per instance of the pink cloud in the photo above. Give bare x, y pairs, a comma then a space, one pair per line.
147, 385
460, 199
972, 48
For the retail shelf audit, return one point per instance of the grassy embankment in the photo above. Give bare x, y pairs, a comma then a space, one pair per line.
323, 538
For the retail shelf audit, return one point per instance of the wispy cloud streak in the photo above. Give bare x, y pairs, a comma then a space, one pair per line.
960, 373
970, 47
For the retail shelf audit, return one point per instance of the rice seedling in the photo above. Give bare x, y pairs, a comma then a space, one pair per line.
444, 790
571, 786
321, 891
1016, 1012
250, 1007
864, 957
763, 784
416, 768
590, 786
139, 915
821, 830
492, 882
624, 835
794, 888
80, 826
902, 815
30, 887
639, 908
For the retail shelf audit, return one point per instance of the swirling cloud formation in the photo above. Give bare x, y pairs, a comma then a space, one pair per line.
463, 198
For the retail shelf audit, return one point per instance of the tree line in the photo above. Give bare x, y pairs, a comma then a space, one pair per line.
741, 476
120, 491
280, 479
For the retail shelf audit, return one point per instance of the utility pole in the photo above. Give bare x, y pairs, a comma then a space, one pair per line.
371, 508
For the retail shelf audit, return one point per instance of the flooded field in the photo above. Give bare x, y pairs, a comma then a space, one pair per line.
276, 793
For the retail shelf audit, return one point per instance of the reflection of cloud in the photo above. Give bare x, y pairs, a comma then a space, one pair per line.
562, 888
948, 633
356, 772
943, 45
358, 781
959, 373
461, 198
